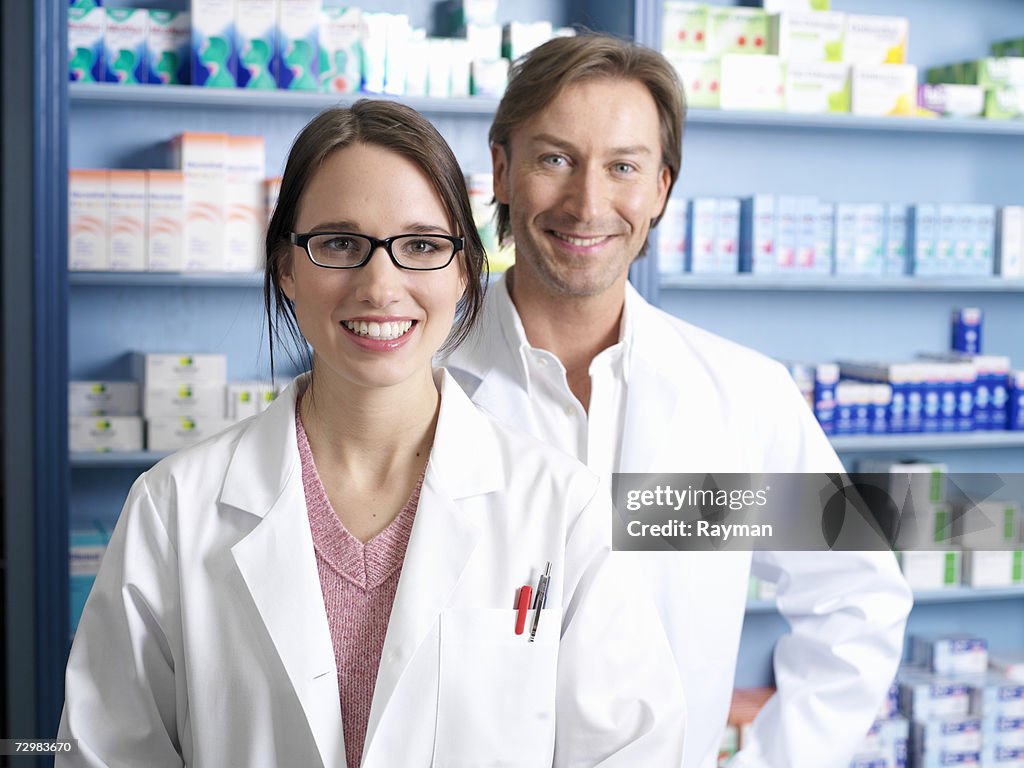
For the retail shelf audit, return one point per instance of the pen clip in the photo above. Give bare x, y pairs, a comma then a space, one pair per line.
541, 599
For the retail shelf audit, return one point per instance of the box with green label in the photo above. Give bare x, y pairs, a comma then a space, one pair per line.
993, 568
737, 30
701, 77
684, 27
778, 6
1014, 47
926, 569
1004, 103
876, 39
989, 524
807, 36
817, 87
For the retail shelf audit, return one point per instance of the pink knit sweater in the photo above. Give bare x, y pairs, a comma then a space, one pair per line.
359, 582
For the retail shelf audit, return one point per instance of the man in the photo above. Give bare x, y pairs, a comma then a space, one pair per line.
586, 147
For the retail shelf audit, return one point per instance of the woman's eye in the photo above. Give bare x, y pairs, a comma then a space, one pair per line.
421, 246
340, 244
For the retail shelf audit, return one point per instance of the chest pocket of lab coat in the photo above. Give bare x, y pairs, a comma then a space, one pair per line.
496, 697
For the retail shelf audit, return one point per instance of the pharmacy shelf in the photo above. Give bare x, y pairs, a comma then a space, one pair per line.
478, 105
816, 283
947, 595
927, 441
168, 279
186, 95
140, 459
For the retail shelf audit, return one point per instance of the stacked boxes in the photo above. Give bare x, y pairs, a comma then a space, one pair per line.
1001, 77
713, 229
183, 397
103, 416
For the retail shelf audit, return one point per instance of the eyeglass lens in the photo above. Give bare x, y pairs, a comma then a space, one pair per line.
411, 251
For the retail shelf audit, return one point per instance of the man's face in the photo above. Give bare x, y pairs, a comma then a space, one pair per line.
583, 179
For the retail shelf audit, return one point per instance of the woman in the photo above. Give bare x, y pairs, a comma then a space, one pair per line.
332, 581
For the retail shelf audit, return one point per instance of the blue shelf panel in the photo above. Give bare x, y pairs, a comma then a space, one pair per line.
474, 105
746, 282
927, 441
948, 595
168, 279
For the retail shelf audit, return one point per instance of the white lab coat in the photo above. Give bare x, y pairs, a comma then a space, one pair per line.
698, 403
205, 638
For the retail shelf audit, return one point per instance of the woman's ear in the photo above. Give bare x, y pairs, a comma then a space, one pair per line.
286, 278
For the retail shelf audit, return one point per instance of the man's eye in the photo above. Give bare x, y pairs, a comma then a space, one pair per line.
624, 168
556, 161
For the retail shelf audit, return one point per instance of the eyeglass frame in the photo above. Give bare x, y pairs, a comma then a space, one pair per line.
302, 240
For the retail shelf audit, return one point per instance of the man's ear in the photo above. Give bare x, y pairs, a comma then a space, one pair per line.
499, 166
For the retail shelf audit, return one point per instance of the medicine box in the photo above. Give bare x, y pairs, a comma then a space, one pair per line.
245, 169
952, 100
488, 77
1015, 418
993, 568
810, 36
757, 234
951, 655
988, 524
87, 220
736, 31
174, 433
684, 27
86, 28
873, 40
256, 38
756, 83
399, 31
927, 569
817, 87
966, 330
127, 220
701, 233
296, 63
461, 68
1013, 47
883, 89
460, 13
198, 401
124, 46
519, 38
950, 740
1010, 232
160, 369
826, 378
375, 53
787, 231
92, 434
202, 159
484, 41
925, 697
923, 234
824, 248
995, 696
342, 35
671, 235
896, 228
214, 45
701, 76
241, 400
806, 233
1004, 103
168, 42
165, 221
103, 398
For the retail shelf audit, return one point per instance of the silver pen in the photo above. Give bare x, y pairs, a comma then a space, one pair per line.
542, 596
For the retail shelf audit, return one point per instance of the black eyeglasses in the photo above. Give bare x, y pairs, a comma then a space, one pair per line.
347, 250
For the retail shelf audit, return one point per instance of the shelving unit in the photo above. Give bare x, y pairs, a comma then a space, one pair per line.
836, 157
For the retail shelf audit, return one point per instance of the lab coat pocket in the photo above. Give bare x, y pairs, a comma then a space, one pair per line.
496, 698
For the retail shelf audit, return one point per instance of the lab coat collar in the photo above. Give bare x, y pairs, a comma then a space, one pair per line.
264, 479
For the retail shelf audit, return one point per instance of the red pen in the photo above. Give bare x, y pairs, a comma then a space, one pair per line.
525, 592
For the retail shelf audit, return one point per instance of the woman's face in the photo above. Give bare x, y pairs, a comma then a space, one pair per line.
376, 325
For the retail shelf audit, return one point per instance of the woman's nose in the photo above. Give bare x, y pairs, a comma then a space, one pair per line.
379, 280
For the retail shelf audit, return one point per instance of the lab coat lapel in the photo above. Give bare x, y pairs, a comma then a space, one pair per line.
656, 402
464, 463
278, 565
